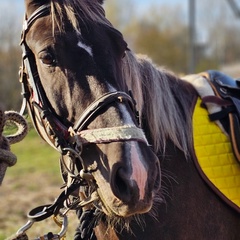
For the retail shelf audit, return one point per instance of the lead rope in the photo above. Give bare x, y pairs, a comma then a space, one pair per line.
85, 229
7, 158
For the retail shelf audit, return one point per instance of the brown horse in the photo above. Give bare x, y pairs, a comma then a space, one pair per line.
77, 73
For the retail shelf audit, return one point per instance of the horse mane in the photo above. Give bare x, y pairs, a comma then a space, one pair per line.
74, 10
160, 105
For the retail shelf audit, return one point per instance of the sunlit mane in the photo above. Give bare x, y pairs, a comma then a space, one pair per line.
153, 91
75, 10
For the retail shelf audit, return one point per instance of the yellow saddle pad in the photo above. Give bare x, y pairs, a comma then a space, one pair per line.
215, 157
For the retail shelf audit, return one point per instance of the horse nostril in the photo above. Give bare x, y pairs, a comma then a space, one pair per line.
122, 186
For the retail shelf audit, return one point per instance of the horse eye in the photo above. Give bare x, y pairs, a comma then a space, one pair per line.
47, 58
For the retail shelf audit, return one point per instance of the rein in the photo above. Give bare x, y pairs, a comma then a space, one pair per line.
68, 141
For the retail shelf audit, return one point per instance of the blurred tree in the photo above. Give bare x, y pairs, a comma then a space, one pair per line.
120, 13
163, 38
165, 49
160, 31
10, 90
221, 29
10, 56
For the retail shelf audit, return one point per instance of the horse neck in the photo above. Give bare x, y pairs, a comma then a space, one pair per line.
174, 110
164, 102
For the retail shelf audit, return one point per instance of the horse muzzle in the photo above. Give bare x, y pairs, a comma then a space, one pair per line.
132, 179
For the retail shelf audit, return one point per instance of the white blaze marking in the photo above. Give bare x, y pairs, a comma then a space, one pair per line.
139, 173
126, 116
85, 47
127, 120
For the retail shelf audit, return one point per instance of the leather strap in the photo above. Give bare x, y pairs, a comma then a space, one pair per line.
227, 90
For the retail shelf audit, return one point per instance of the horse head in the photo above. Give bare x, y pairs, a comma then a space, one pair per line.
73, 68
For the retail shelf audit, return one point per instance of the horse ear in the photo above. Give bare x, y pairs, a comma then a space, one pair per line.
117, 38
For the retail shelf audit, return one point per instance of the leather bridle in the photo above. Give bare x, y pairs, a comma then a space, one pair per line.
68, 141
47, 123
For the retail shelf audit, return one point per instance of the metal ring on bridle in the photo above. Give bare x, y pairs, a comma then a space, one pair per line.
30, 223
76, 154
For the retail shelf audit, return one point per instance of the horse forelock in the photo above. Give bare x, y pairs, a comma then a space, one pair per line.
157, 103
75, 10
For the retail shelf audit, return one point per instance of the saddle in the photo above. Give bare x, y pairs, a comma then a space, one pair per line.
222, 100
227, 96
217, 157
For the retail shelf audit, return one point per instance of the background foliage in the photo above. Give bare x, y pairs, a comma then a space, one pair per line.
34, 181
159, 30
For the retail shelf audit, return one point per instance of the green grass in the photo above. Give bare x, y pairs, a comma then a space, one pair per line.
35, 180
34, 154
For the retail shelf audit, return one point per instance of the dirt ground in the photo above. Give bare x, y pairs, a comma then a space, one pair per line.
19, 196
